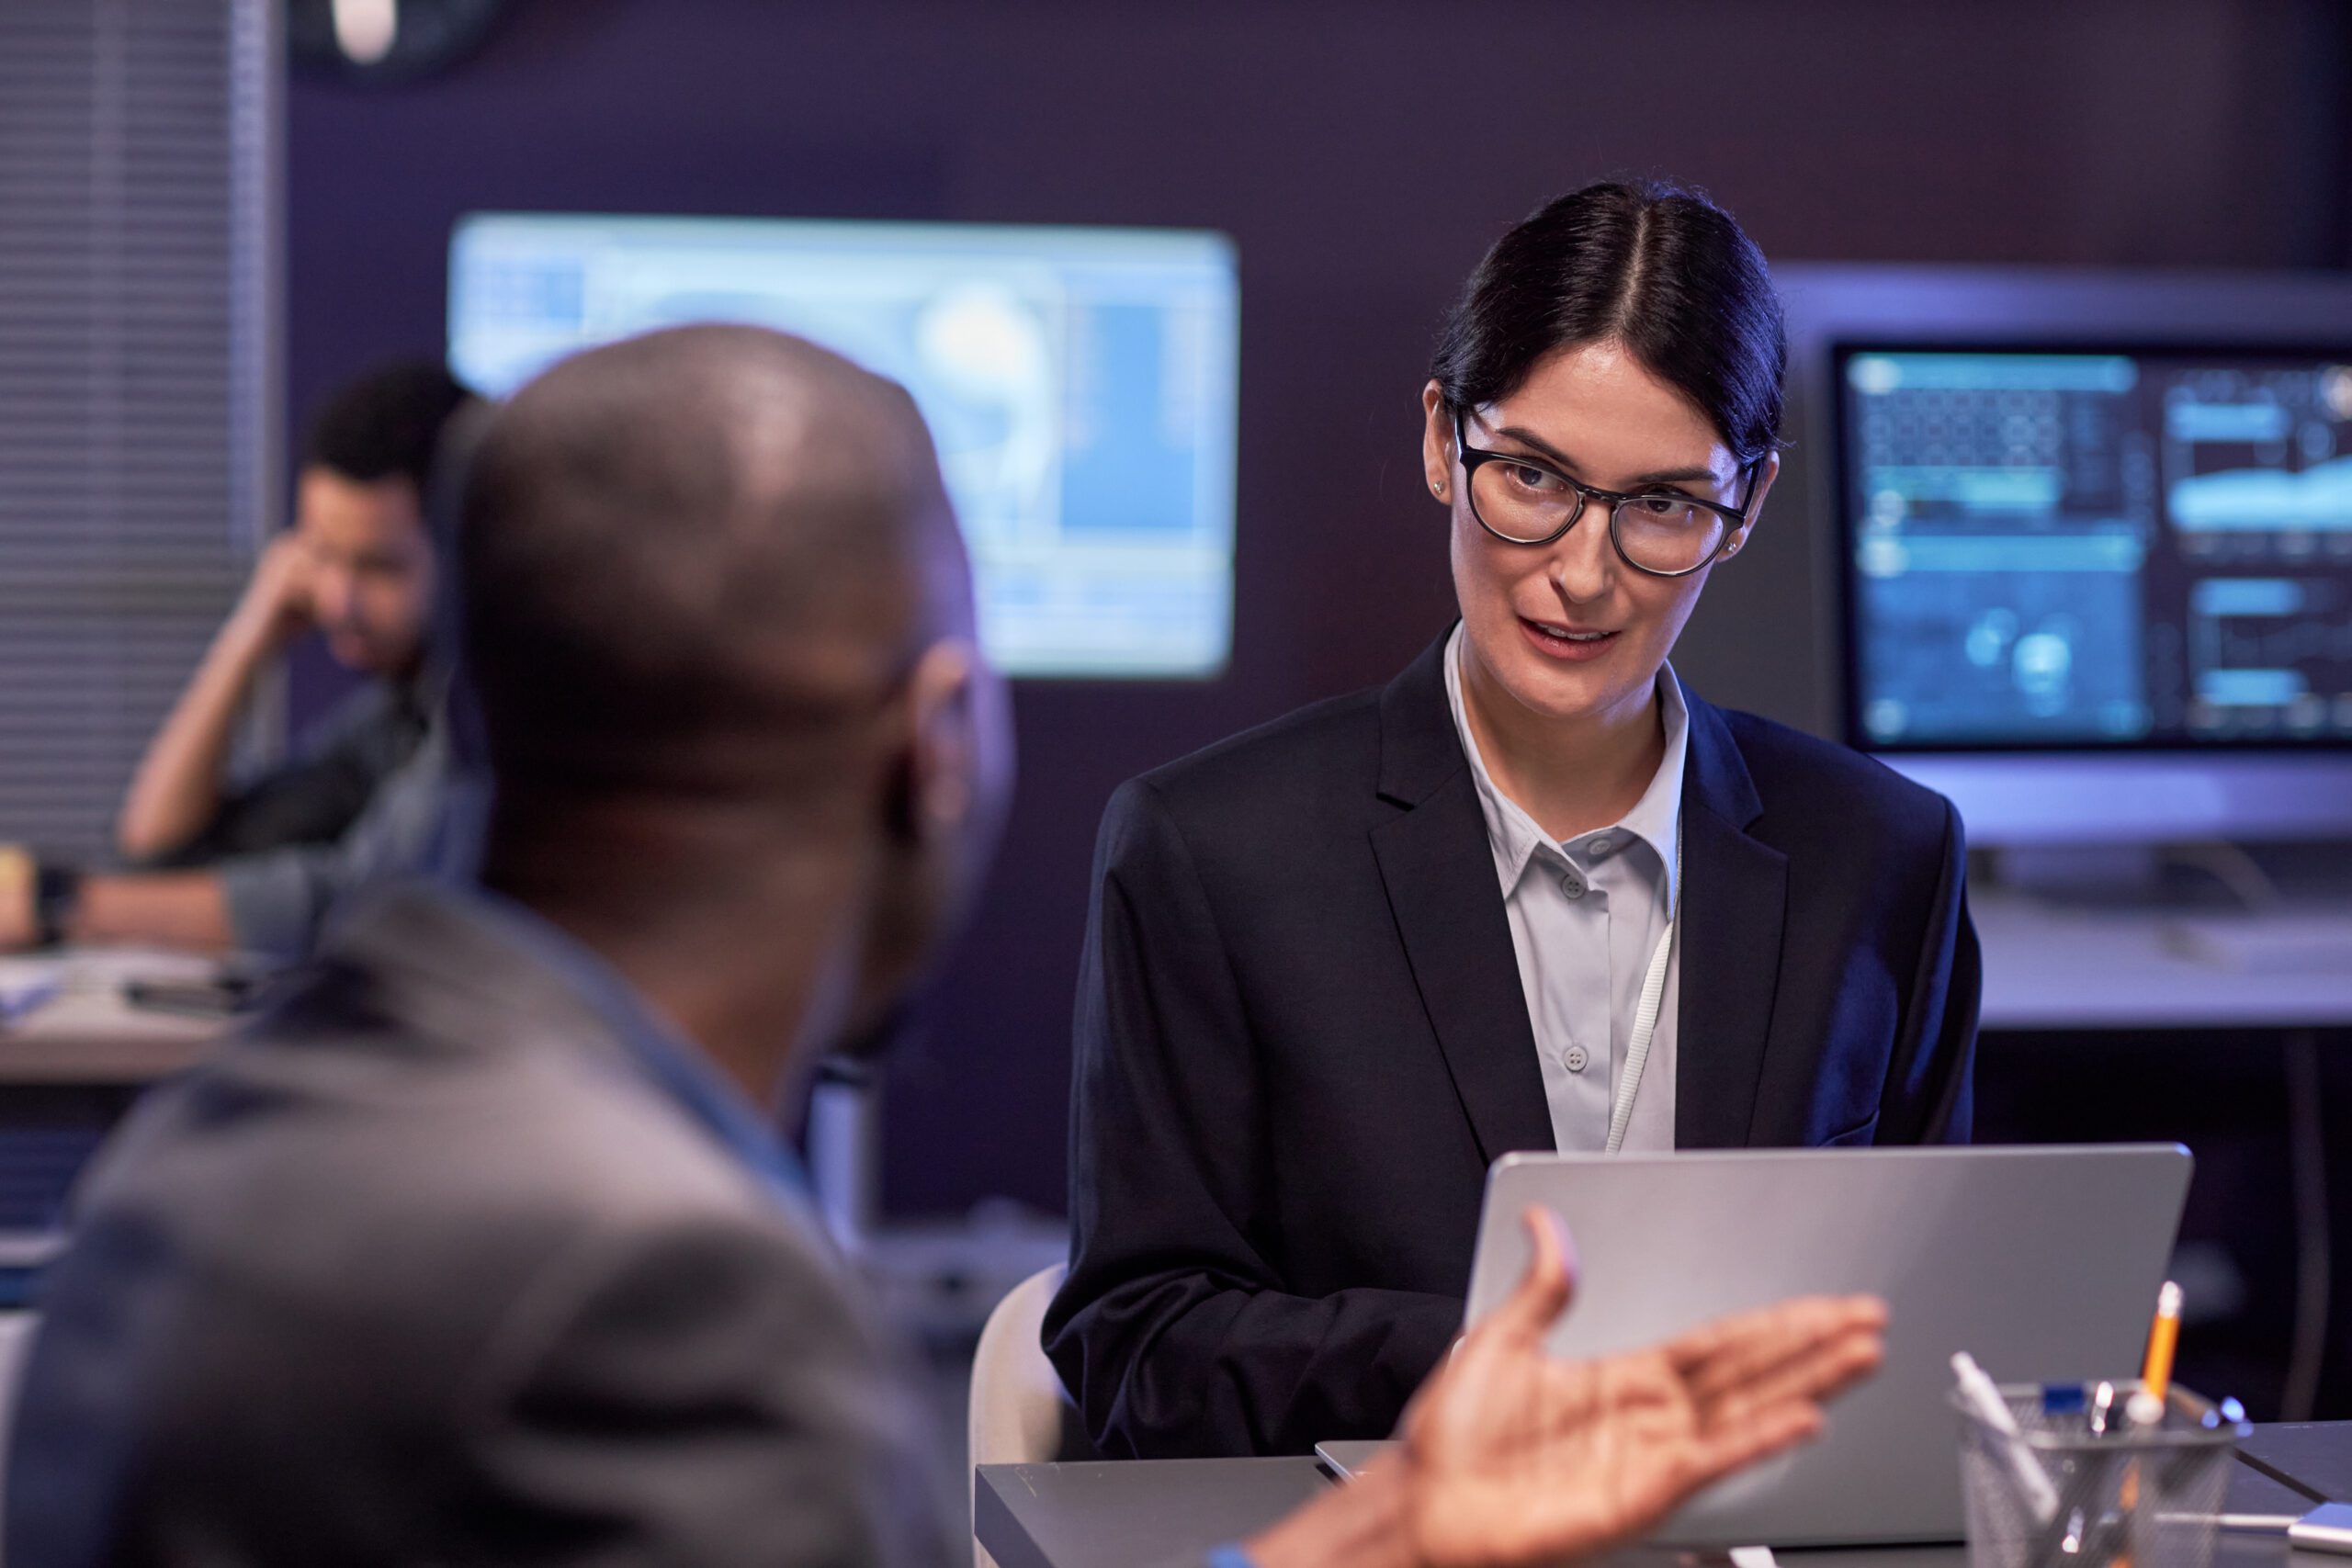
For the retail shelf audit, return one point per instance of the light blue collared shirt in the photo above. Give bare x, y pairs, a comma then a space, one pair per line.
678, 1070
1585, 917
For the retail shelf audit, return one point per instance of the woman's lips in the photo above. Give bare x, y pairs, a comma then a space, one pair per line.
1576, 649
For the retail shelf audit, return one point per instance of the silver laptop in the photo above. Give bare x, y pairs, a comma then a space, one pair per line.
2042, 1263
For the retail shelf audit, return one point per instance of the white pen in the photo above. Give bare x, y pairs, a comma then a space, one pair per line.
1985, 1399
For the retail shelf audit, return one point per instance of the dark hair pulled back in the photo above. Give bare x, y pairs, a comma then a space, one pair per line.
1657, 269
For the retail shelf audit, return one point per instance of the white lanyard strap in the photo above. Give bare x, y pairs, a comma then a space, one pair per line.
1637, 1049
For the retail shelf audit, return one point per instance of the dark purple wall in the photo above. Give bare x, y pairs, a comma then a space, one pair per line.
1362, 156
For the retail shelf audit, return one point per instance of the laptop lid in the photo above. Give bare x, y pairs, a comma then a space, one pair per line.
2041, 1262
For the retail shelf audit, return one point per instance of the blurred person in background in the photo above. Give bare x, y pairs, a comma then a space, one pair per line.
251, 862
482, 1244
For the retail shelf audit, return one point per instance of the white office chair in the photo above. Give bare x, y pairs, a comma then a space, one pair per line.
15, 1344
1019, 1413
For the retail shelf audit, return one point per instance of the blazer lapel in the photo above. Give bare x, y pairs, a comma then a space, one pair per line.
1735, 892
1439, 876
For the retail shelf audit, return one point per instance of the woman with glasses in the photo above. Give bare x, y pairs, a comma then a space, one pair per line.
1535, 894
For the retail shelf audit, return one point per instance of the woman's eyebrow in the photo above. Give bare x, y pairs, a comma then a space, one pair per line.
1663, 476
1529, 438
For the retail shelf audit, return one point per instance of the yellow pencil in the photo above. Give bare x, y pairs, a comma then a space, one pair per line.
2164, 1338
2146, 1408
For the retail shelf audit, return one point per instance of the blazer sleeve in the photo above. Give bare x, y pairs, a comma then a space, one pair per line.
703, 1392
1175, 1332
1932, 1083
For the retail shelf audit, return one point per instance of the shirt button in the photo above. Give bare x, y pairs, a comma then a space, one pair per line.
1572, 885
1603, 844
1575, 1059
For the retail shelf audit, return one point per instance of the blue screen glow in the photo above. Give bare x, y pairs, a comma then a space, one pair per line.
2097, 548
1081, 385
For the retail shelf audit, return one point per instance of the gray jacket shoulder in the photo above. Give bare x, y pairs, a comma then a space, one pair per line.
530, 1299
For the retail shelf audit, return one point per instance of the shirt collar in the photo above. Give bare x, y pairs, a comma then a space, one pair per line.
672, 1064
1656, 818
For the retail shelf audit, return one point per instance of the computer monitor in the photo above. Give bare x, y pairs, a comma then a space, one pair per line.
2097, 588
1081, 384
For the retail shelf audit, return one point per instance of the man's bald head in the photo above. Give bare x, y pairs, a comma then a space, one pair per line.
688, 555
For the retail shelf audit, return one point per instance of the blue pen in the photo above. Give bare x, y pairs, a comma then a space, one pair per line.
2064, 1399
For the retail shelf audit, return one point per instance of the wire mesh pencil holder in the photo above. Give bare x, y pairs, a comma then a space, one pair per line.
2126, 1499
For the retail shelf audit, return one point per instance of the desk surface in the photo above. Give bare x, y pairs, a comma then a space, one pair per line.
2054, 965
2315, 1456
1133, 1514
86, 1033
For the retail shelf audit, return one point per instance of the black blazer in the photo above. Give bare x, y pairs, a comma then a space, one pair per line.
1301, 1040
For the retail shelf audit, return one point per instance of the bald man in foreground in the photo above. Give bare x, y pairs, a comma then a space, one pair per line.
482, 1245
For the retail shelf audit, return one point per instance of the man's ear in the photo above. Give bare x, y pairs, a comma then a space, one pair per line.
945, 787
1765, 474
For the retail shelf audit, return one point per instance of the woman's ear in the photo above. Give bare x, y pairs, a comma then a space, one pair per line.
1437, 443
1766, 472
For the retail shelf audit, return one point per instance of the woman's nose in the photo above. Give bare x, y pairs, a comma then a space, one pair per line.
1580, 564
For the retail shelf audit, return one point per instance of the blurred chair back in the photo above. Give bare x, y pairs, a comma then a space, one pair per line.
15, 1344
1019, 1413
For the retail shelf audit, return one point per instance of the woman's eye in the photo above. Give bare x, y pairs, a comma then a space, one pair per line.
1664, 507
1534, 479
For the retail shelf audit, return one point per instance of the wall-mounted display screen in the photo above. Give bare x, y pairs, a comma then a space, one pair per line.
1081, 384
2097, 549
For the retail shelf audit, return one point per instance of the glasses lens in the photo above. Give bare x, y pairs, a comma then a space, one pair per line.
1668, 533
1521, 501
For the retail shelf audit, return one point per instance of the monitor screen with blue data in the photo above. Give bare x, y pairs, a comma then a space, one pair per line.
2096, 548
1081, 384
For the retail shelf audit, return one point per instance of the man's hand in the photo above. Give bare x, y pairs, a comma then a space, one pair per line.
276, 606
1512, 1456
180, 781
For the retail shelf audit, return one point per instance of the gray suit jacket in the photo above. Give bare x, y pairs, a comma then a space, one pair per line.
423, 1269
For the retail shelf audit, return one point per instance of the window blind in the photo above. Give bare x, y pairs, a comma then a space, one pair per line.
138, 378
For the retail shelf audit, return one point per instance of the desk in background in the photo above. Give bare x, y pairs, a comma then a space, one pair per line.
77, 1026
2049, 964
74, 1052
2169, 1018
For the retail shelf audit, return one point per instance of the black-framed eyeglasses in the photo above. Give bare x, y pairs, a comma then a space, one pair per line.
1523, 500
